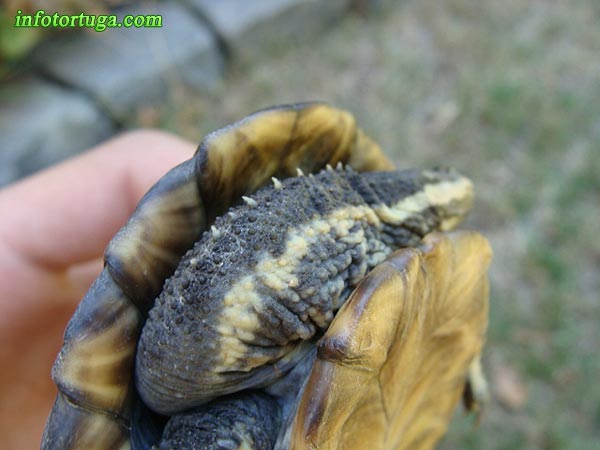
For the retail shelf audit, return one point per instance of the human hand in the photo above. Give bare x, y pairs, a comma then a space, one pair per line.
54, 227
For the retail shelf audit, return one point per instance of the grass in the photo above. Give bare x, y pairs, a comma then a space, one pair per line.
509, 93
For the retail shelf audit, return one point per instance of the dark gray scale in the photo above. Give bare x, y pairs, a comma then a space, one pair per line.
384, 188
317, 197
259, 418
245, 420
224, 322
322, 196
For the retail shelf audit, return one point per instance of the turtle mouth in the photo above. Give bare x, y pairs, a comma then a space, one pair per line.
453, 199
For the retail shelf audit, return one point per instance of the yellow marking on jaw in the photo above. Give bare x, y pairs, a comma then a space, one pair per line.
456, 195
449, 191
242, 304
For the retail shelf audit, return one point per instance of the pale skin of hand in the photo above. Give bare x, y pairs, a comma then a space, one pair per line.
54, 227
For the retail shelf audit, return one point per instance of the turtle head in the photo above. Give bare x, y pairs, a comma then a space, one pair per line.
449, 193
419, 201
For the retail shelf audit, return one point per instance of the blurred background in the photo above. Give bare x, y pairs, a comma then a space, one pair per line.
507, 92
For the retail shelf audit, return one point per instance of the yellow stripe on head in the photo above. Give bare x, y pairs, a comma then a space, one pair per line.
445, 191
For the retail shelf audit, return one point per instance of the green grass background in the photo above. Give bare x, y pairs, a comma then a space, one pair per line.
509, 93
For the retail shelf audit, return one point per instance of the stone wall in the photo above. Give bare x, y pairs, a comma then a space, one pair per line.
83, 86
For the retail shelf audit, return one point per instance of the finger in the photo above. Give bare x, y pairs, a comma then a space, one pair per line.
55, 224
53, 229
68, 213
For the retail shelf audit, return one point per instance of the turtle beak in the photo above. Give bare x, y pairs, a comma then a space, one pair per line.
452, 196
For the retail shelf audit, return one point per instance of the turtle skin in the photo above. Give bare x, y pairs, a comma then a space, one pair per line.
94, 370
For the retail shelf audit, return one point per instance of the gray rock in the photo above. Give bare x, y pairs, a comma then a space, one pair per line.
251, 27
41, 124
123, 68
